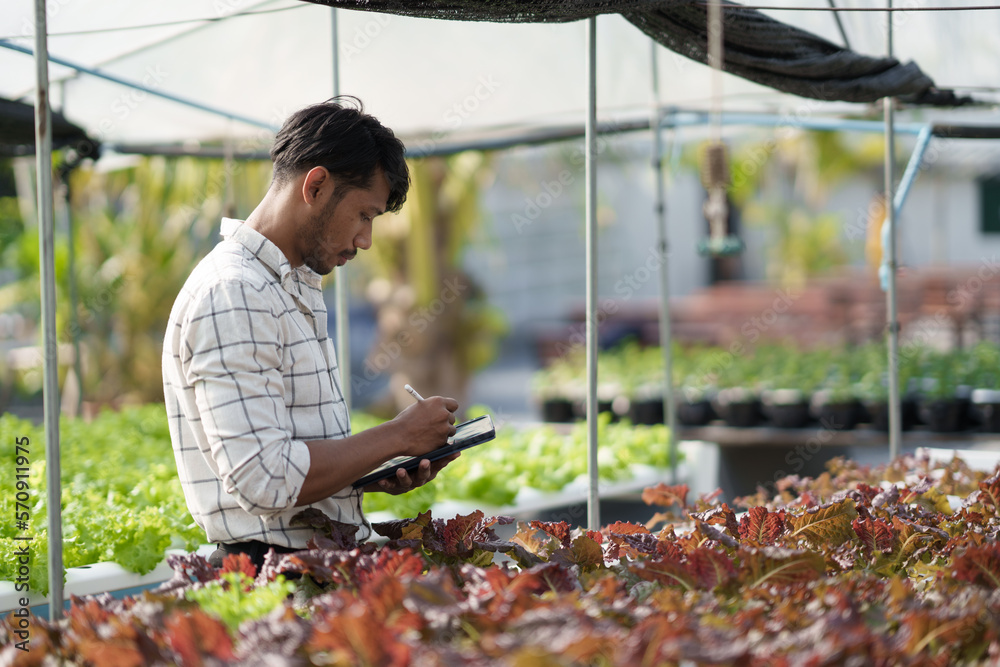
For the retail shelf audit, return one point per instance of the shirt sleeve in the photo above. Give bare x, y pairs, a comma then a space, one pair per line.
234, 362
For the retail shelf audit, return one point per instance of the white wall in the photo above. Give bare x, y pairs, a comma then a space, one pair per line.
531, 259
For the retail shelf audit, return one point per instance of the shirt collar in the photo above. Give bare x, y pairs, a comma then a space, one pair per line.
270, 256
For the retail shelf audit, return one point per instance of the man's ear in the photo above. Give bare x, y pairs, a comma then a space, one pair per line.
317, 179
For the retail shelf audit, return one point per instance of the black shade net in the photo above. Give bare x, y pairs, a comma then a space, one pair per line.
17, 131
757, 47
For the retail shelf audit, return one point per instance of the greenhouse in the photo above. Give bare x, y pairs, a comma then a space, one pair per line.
723, 278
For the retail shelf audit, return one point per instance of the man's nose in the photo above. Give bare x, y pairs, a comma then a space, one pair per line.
363, 241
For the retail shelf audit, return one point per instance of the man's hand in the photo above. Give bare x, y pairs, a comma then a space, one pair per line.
403, 482
427, 424
417, 430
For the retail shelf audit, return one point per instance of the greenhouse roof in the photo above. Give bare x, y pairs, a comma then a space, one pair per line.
261, 60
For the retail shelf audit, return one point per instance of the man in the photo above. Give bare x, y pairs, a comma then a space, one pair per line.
255, 401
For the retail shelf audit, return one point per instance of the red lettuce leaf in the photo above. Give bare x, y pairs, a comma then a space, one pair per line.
583, 551
238, 563
665, 496
827, 525
759, 527
400, 529
666, 570
777, 566
559, 530
720, 516
189, 569
273, 640
354, 633
330, 534
711, 569
977, 565
195, 636
716, 535
875, 534
989, 493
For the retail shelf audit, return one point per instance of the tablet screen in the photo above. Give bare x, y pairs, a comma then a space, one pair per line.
467, 434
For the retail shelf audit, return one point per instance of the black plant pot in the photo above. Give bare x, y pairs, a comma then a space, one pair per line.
695, 413
789, 415
945, 415
878, 414
986, 408
840, 416
558, 410
647, 411
740, 414
989, 416
580, 409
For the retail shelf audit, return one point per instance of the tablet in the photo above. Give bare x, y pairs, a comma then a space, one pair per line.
468, 434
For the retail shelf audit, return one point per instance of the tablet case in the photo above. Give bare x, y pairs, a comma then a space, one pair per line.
479, 430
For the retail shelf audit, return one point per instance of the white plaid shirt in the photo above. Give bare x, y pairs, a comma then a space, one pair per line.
249, 373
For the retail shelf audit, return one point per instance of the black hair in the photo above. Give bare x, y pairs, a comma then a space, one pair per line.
352, 145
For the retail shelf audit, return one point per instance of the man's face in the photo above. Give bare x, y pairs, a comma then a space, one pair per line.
335, 234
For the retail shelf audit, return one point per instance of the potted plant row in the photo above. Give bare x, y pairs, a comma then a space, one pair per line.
786, 387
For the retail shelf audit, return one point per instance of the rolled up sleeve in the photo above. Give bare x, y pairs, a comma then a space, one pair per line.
233, 362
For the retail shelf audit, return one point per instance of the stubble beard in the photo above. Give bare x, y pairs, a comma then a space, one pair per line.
317, 234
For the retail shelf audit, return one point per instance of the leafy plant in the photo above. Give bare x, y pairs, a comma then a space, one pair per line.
845, 568
121, 498
537, 458
140, 231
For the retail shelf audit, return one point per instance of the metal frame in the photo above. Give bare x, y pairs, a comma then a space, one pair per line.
50, 366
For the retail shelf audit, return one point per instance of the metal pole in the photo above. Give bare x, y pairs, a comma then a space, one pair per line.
340, 284
46, 235
889, 248
593, 494
666, 336
840, 24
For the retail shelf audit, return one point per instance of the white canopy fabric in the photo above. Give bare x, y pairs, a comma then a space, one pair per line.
264, 59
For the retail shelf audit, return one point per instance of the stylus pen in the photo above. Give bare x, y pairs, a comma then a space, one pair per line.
413, 392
